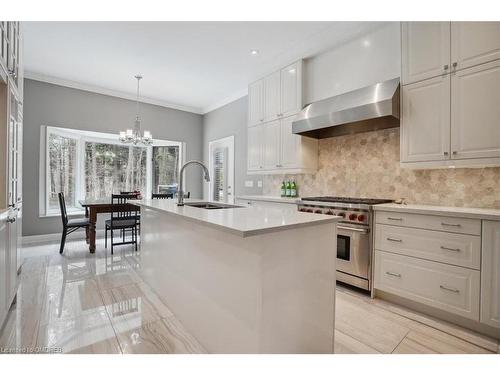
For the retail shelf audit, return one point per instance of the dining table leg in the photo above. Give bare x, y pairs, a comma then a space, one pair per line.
87, 229
93, 221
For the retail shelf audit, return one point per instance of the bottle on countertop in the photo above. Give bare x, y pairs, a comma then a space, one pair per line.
288, 189
293, 189
283, 189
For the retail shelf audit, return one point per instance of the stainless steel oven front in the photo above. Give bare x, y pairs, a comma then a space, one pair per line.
353, 256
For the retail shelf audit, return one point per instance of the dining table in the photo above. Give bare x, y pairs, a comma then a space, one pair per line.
93, 207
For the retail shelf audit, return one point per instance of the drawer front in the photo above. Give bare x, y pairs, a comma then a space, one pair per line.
441, 223
451, 248
450, 288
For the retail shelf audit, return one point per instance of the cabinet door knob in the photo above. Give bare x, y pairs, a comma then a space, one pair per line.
445, 67
455, 64
445, 153
454, 152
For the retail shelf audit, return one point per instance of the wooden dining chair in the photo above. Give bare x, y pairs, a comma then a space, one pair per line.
162, 196
123, 221
70, 225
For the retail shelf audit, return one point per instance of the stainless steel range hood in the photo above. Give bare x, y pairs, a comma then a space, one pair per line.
369, 108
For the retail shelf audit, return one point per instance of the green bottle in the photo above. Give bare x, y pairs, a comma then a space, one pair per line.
283, 189
293, 189
288, 189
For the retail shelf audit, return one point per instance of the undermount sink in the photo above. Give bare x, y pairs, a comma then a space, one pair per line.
210, 205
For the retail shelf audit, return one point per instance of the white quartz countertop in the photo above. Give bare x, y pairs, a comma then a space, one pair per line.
270, 198
243, 221
466, 212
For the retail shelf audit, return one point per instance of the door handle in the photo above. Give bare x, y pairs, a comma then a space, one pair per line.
393, 274
395, 218
394, 239
449, 248
451, 225
449, 289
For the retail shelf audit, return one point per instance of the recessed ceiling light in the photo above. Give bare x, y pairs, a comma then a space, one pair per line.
254, 52
366, 43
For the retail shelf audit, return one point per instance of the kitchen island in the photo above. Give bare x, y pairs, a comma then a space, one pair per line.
243, 279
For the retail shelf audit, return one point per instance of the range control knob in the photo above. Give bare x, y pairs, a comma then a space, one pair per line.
318, 212
361, 218
302, 209
341, 214
309, 210
329, 212
353, 216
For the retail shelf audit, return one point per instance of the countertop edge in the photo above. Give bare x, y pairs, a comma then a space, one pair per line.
464, 212
248, 233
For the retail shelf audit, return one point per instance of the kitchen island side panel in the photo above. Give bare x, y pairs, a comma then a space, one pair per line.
268, 293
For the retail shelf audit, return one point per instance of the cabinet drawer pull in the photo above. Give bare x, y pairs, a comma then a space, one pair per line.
393, 274
449, 248
394, 239
451, 225
395, 218
449, 289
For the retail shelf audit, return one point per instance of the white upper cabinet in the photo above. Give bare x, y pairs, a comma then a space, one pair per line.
474, 43
290, 144
272, 145
273, 148
276, 96
450, 116
490, 274
254, 148
291, 89
425, 125
272, 97
256, 103
425, 50
475, 112
272, 104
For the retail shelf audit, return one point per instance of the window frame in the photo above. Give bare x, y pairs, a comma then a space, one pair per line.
81, 137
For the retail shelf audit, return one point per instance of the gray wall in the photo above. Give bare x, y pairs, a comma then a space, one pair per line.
225, 121
52, 105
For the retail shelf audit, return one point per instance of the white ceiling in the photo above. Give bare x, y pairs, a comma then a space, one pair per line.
196, 66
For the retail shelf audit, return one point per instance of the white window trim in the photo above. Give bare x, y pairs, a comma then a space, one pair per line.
83, 136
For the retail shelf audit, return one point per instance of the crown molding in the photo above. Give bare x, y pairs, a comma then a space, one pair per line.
235, 96
104, 91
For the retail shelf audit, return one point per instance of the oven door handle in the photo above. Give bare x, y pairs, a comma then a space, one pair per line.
362, 230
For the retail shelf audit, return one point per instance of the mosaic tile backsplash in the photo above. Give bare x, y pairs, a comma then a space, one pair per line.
367, 165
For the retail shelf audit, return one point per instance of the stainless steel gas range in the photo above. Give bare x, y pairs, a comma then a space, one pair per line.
354, 234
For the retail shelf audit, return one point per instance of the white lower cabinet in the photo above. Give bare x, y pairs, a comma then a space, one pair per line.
490, 274
452, 248
3, 266
442, 260
450, 288
8, 262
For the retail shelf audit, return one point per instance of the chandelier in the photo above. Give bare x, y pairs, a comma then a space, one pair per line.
134, 136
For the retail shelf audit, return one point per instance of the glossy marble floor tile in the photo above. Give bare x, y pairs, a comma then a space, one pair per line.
134, 302
98, 303
90, 333
162, 336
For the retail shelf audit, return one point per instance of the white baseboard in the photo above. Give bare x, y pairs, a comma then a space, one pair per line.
52, 237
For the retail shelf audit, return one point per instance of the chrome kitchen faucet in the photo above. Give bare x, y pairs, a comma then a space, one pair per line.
180, 193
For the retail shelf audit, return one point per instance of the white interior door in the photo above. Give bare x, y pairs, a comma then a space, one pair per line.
221, 165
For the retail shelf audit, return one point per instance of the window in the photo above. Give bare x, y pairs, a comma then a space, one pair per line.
165, 168
91, 165
110, 169
62, 170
